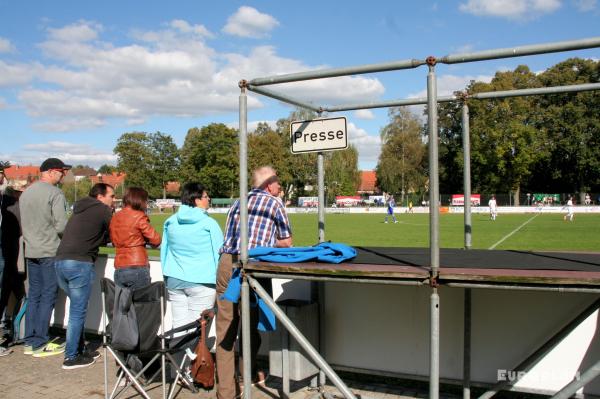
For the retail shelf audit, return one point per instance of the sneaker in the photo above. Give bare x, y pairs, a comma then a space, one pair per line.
5, 351
93, 354
50, 349
396, 221
28, 350
260, 378
78, 362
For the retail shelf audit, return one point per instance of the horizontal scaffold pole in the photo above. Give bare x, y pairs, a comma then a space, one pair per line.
521, 51
335, 72
284, 98
479, 96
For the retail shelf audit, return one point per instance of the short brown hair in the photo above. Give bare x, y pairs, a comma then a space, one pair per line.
136, 198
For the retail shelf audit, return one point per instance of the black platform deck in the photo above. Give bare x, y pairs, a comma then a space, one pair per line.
456, 265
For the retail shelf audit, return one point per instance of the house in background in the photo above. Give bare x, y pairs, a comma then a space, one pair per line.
368, 181
115, 179
21, 175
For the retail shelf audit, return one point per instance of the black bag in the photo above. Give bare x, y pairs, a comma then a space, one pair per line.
125, 333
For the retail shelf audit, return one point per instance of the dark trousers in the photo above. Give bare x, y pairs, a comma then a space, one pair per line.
228, 322
132, 277
42, 297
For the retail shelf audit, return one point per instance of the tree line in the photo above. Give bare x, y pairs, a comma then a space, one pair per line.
544, 143
210, 154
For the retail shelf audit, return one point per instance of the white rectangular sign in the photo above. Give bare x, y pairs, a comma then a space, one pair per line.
319, 135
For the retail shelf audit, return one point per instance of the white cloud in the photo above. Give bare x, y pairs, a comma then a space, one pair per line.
369, 147
511, 9
81, 31
585, 5
70, 153
6, 46
185, 27
364, 114
167, 72
249, 22
448, 84
16, 74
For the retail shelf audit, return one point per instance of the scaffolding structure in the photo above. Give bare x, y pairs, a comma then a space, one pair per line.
432, 100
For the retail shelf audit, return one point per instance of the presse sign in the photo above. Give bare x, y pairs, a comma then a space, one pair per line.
319, 135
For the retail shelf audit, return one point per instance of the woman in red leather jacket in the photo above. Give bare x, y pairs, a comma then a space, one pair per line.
130, 231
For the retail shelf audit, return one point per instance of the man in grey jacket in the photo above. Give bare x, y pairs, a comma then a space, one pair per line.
43, 220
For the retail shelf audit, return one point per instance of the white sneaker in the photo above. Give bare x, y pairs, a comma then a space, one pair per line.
5, 351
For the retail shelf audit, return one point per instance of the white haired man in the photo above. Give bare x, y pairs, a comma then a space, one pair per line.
268, 226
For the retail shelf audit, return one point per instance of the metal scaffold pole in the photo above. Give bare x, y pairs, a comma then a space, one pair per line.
466, 173
243, 137
434, 227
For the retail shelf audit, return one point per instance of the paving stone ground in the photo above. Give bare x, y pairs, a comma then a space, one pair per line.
25, 377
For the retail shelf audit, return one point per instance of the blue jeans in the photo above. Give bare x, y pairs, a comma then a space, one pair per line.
188, 303
76, 279
133, 277
1, 264
42, 296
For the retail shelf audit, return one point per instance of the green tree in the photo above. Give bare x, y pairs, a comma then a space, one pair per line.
573, 128
302, 167
149, 160
342, 176
401, 165
76, 189
505, 139
107, 169
269, 147
210, 155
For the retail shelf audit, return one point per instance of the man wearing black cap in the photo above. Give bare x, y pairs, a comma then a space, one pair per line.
43, 220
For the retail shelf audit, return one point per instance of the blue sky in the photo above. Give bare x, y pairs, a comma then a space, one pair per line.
75, 75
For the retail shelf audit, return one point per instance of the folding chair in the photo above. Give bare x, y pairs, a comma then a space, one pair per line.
149, 304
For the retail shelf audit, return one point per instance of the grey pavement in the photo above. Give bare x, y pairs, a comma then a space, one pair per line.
22, 376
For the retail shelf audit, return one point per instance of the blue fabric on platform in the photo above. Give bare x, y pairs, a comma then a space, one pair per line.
266, 317
328, 252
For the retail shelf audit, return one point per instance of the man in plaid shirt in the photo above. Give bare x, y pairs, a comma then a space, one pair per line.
268, 226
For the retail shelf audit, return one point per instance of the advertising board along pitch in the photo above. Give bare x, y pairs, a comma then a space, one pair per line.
316, 135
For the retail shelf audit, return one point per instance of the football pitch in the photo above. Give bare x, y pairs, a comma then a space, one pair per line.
534, 232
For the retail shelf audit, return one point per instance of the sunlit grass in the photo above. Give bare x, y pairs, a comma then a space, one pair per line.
545, 232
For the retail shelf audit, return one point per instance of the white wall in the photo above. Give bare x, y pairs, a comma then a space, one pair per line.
386, 328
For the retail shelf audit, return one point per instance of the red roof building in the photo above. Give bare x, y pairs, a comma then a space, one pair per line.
173, 187
368, 181
115, 179
22, 174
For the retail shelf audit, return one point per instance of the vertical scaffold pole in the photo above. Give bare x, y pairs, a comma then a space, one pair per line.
243, 138
467, 345
321, 184
466, 140
434, 227
466, 173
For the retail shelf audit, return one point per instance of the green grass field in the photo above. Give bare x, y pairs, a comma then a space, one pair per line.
545, 232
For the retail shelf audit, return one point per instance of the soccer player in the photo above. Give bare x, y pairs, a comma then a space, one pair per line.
493, 207
390, 209
569, 208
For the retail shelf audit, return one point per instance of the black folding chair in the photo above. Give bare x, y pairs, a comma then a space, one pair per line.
149, 305
154, 343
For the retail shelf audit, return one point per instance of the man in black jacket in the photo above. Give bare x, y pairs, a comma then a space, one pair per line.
86, 230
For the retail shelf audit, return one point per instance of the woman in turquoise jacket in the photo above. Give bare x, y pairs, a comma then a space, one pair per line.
189, 256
